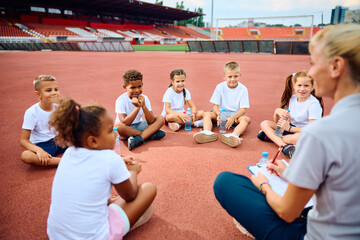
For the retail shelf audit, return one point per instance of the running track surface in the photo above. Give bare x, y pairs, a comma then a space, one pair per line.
184, 171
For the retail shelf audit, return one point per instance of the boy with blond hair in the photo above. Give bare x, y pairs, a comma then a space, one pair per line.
232, 96
130, 107
36, 137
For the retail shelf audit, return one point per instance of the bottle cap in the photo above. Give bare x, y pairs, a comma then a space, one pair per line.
288, 110
223, 110
115, 129
265, 154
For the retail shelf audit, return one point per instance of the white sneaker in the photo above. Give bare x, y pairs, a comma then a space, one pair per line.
231, 139
199, 123
242, 229
174, 126
205, 136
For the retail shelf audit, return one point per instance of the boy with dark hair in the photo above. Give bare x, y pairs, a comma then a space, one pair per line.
130, 107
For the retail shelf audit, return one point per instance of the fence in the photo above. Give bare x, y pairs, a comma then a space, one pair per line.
66, 46
253, 46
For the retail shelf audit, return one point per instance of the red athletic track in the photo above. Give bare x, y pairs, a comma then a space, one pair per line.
184, 171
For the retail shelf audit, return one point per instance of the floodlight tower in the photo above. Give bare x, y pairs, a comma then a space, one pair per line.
212, 12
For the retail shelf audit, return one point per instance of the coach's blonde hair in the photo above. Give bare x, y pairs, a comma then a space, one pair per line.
341, 40
41, 78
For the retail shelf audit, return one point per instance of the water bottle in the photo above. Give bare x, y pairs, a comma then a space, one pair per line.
264, 158
188, 122
117, 142
279, 131
223, 121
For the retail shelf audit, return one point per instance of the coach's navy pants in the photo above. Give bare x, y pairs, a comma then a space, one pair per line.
248, 205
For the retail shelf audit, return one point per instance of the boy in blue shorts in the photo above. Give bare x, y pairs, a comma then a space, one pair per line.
36, 137
130, 107
232, 96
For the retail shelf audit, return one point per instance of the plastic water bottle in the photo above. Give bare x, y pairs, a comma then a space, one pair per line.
264, 158
188, 122
117, 142
223, 121
279, 131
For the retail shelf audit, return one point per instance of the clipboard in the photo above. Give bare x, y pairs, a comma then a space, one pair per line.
278, 184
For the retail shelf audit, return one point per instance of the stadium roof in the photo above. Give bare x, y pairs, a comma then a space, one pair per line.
113, 7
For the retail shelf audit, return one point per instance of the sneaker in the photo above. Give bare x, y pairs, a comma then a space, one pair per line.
242, 229
199, 123
205, 136
158, 135
288, 150
135, 141
262, 136
231, 139
174, 126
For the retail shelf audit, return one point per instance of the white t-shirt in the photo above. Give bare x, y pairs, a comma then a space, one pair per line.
123, 105
80, 191
37, 121
327, 159
175, 99
301, 112
231, 99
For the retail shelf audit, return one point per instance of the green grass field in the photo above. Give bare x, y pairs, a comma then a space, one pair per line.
182, 48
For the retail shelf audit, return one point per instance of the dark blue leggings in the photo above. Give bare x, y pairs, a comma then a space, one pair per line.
248, 205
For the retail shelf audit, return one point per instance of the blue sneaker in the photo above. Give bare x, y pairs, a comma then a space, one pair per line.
158, 135
135, 141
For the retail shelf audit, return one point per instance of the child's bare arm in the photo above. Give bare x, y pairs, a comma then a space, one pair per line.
180, 115
193, 108
43, 156
234, 118
149, 116
128, 119
129, 188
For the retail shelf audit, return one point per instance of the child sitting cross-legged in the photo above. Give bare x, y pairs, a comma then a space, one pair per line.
80, 204
232, 96
130, 107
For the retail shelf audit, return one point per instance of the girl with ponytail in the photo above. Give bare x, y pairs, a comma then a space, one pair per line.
80, 205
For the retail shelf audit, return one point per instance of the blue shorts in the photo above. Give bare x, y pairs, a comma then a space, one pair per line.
51, 147
140, 126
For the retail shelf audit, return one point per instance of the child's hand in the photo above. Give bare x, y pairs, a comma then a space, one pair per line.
128, 160
136, 167
284, 124
44, 157
230, 122
141, 100
183, 117
136, 102
193, 116
218, 119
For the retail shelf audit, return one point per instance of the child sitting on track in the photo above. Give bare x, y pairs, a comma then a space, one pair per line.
232, 96
304, 108
129, 108
36, 137
175, 97
85, 176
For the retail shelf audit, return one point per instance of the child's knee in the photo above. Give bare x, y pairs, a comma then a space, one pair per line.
246, 119
149, 188
264, 124
27, 157
160, 120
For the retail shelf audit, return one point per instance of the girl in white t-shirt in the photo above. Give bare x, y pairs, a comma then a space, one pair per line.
298, 97
80, 204
175, 98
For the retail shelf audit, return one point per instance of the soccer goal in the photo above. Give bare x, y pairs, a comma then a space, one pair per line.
296, 27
